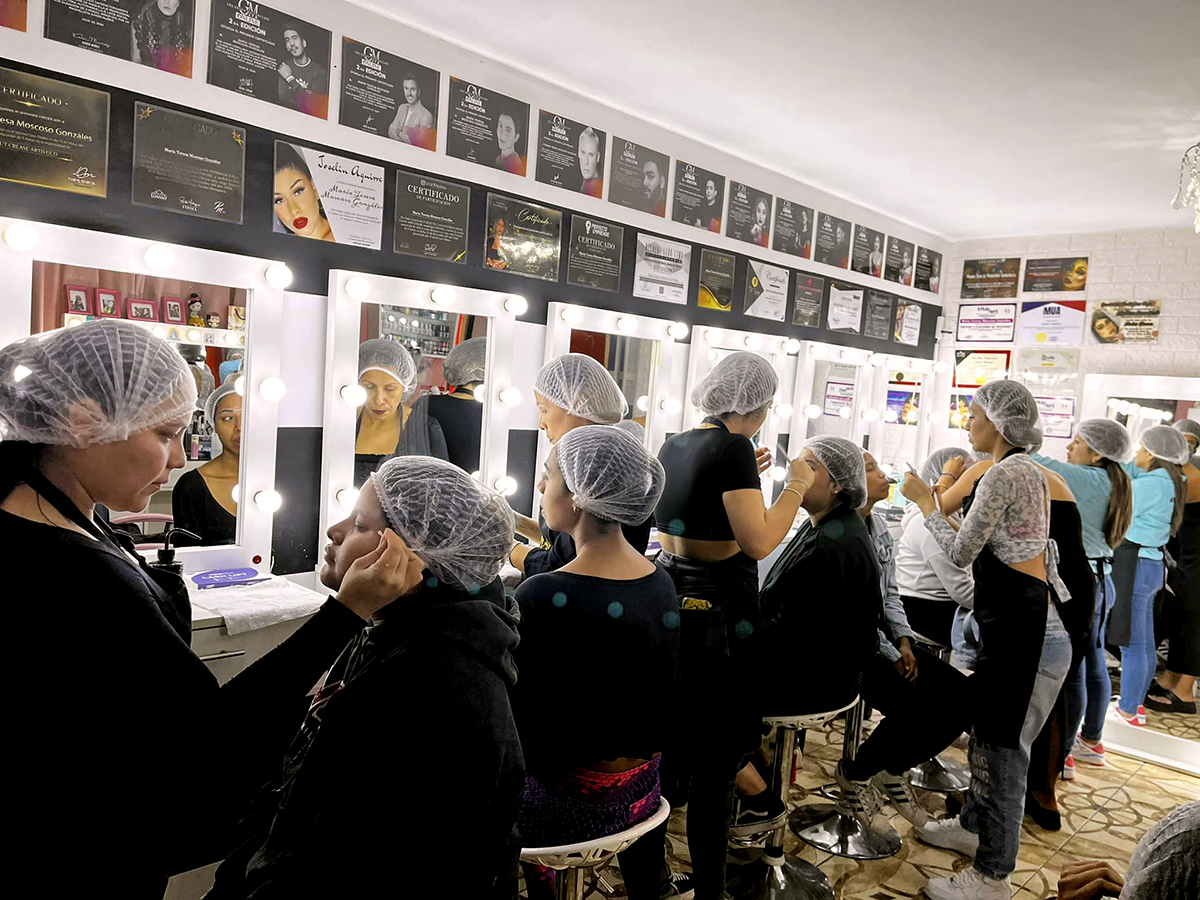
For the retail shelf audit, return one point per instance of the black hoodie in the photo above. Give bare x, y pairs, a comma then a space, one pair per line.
408, 757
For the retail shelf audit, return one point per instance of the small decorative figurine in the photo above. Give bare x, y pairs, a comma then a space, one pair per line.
195, 310
213, 320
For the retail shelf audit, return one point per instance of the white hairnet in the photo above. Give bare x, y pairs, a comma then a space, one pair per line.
1188, 427
741, 383
1011, 408
631, 427
387, 356
462, 531
583, 387
1107, 437
210, 405
1165, 443
844, 460
92, 384
1166, 862
610, 474
466, 362
932, 470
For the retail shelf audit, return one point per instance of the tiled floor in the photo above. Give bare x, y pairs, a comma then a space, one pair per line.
1105, 813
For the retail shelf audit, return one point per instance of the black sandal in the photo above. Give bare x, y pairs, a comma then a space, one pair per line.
1172, 704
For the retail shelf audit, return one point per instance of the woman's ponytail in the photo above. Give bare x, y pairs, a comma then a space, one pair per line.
1120, 504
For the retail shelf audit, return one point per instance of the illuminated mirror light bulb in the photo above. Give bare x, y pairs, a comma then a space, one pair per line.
441, 295
812, 411
784, 410
268, 501
571, 315
279, 276
232, 338
506, 486
941, 366
236, 493
477, 475
671, 406
358, 288
817, 351
1167, 416
354, 394
272, 389
627, 324
844, 412
73, 321
936, 418
510, 396
159, 257
956, 419
753, 341
516, 304
713, 356
20, 236
714, 335
677, 330
847, 355
481, 391
643, 403
777, 473
791, 346
870, 415
910, 416
347, 497
159, 331
890, 416
877, 359
194, 335
1113, 403
239, 385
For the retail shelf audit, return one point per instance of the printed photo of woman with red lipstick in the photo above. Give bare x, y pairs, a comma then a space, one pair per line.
327, 198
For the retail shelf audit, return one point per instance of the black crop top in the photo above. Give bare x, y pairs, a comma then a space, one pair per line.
701, 465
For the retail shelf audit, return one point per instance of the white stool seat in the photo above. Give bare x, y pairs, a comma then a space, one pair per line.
587, 854
808, 720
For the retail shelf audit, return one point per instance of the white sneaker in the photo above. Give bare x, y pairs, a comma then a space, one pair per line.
969, 884
895, 790
950, 834
1092, 754
858, 799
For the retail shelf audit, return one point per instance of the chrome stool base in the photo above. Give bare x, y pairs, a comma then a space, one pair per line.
820, 825
940, 775
790, 878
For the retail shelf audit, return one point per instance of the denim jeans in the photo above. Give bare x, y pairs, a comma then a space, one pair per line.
1139, 659
1089, 689
995, 804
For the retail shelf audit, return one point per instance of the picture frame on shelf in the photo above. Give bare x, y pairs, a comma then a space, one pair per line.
79, 299
108, 303
141, 310
173, 311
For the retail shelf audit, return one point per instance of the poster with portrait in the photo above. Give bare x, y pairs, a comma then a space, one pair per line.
986, 323
1052, 321
188, 164
1062, 274
716, 279
832, 241
973, 368
431, 217
13, 14
594, 253
388, 95
1126, 321
749, 217
326, 197
990, 278
960, 409
867, 254
928, 274
766, 291
810, 290
845, 308
902, 407
793, 229
53, 134
570, 154
1058, 416
907, 329
637, 177
662, 269
878, 324
699, 197
898, 266
155, 33
487, 128
522, 237
270, 55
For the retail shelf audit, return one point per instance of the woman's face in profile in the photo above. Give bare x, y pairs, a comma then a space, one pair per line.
552, 419
353, 537
980, 429
126, 474
557, 506
384, 394
297, 205
822, 494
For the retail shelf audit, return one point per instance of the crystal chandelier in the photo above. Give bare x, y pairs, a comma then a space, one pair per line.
1189, 182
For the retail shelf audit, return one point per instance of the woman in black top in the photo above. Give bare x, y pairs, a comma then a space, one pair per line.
202, 499
605, 624
110, 740
714, 525
385, 372
450, 426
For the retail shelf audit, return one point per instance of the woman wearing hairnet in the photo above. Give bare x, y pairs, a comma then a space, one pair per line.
117, 728
714, 525
385, 372
202, 499
450, 426
351, 811
1026, 651
586, 783
1139, 568
571, 391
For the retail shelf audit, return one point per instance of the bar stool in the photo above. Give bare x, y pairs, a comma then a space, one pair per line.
937, 774
832, 827
576, 860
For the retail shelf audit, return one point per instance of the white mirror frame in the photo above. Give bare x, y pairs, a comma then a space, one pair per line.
1098, 388
117, 253
343, 318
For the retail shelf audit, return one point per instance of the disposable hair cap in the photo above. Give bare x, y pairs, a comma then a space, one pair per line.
387, 356
1107, 437
210, 405
1188, 427
1165, 443
610, 474
461, 531
583, 387
844, 460
741, 383
932, 470
631, 427
466, 362
1166, 862
1011, 408
91, 384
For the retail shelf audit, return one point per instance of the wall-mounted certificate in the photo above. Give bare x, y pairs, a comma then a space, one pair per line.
188, 164
766, 291
431, 217
928, 275
637, 177
522, 237
908, 323
155, 33
388, 95
749, 216
832, 241
867, 255
488, 128
594, 255
1052, 321
570, 155
327, 197
793, 229
987, 278
269, 54
699, 197
53, 134
986, 323
879, 315
1065, 274
898, 266
716, 279
809, 292
845, 308
662, 269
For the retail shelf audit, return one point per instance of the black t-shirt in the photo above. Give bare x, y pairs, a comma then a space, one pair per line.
194, 508
462, 425
588, 641
560, 546
701, 466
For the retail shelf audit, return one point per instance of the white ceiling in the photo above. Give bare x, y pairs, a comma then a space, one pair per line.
963, 117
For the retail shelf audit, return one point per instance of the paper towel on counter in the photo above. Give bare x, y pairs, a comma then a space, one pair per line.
248, 607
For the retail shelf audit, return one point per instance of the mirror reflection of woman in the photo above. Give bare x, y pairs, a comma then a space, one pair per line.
297, 202
385, 372
450, 426
202, 500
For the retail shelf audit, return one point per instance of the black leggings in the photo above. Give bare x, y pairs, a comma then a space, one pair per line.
933, 619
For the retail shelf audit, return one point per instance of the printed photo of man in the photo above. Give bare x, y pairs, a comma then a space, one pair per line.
303, 82
591, 163
654, 184
413, 119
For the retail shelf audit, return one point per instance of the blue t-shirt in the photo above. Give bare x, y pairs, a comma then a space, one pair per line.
1092, 489
1153, 507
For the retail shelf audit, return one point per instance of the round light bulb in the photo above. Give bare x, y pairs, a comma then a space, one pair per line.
159, 257
481, 392
870, 415
441, 295
877, 359
506, 486
358, 288
233, 338
268, 501
812, 411
516, 304
677, 330
1167, 416
627, 324
73, 321
910, 416
777, 473
936, 418
890, 416
272, 389
643, 403
347, 497
1113, 403
20, 236
956, 419
1124, 407
671, 406
844, 412
510, 396
753, 341
238, 385
847, 355
791, 346
784, 410
1092, 382
571, 315
941, 366
714, 335
713, 356
818, 351
354, 394
236, 493
159, 331
477, 475
279, 276
193, 335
